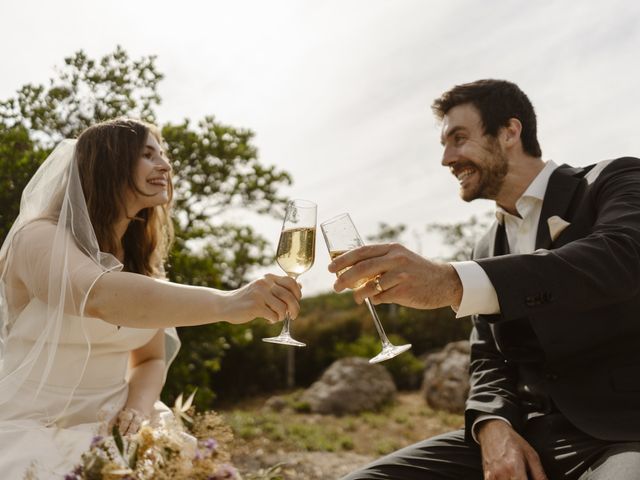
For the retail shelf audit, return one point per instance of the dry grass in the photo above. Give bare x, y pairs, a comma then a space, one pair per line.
339, 444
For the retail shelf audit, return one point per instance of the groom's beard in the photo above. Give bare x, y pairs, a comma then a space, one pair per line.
491, 170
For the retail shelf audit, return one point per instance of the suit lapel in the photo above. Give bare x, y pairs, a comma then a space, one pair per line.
561, 189
557, 199
485, 247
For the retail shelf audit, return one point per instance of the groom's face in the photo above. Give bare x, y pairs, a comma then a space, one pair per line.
475, 159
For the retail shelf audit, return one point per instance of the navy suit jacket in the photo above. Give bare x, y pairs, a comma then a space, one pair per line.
580, 294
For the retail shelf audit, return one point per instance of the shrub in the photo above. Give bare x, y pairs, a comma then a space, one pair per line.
228, 362
405, 369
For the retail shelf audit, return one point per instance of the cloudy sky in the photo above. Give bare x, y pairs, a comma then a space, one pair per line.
338, 91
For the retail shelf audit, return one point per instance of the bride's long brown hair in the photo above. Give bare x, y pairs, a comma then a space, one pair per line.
107, 154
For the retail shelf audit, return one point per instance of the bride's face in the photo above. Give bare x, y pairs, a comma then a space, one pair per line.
151, 178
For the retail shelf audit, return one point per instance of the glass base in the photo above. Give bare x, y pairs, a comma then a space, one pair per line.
284, 340
389, 352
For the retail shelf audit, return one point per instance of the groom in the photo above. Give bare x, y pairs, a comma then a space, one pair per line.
554, 294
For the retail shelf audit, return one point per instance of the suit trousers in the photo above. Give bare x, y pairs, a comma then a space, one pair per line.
566, 453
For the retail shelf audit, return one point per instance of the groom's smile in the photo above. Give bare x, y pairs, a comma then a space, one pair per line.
473, 157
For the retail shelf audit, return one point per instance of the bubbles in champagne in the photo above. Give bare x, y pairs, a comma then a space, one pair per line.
296, 250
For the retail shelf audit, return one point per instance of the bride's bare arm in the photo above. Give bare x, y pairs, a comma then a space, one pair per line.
146, 375
132, 300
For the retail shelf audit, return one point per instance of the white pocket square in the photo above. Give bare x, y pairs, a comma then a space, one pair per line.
556, 226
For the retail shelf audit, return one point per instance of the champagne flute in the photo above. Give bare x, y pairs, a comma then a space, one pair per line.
340, 235
296, 253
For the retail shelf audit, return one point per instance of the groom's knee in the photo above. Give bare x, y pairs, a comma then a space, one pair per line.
444, 456
621, 462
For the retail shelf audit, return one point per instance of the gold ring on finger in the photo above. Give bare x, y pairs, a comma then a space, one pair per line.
378, 286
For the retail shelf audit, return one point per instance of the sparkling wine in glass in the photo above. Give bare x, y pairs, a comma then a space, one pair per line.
296, 253
340, 235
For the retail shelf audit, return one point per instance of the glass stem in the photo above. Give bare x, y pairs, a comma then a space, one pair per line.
286, 324
376, 321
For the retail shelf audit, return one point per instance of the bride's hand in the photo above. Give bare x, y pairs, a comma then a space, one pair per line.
270, 297
128, 421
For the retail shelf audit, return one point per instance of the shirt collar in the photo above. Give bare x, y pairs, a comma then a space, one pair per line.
535, 191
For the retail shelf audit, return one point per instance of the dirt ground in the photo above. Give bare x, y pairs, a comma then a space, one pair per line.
324, 447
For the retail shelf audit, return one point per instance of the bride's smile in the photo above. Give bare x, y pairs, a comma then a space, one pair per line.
151, 177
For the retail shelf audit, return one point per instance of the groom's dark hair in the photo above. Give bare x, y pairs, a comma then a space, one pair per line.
497, 101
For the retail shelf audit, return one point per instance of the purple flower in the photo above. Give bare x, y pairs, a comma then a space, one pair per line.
210, 444
96, 440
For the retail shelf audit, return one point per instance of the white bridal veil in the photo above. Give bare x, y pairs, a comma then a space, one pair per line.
49, 262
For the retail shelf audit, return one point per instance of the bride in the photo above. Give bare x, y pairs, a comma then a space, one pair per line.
87, 317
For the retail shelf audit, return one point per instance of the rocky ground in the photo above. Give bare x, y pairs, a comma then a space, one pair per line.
301, 446
304, 465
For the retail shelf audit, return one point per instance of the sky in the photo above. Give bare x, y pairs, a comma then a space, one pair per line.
338, 92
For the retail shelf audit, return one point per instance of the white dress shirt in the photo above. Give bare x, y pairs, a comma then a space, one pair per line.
478, 294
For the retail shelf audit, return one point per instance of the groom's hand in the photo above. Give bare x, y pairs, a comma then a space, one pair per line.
397, 275
506, 455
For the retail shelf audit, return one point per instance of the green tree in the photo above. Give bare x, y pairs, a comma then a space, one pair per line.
461, 237
19, 158
83, 92
387, 233
216, 167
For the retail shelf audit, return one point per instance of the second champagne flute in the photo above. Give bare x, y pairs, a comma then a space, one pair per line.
340, 235
296, 253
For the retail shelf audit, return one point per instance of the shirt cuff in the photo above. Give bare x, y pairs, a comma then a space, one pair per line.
483, 418
478, 294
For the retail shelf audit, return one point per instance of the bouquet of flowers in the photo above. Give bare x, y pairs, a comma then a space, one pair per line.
187, 446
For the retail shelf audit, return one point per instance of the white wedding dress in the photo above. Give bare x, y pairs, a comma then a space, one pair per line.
63, 375
101, 393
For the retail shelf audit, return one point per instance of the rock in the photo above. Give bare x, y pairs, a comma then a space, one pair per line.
350, 385
445, 384
276, 403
